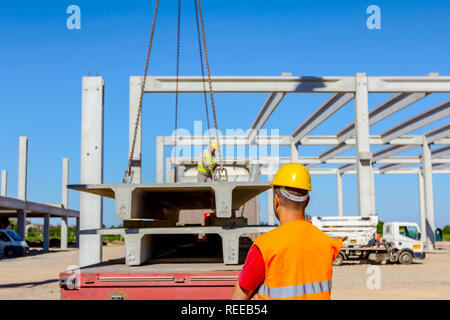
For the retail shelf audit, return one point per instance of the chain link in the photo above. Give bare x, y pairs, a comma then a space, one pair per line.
128, 176
211, 94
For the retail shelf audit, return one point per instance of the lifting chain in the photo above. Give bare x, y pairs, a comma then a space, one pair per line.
128, 175
177, 76
211, 94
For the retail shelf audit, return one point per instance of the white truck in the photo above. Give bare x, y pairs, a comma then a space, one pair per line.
400, 242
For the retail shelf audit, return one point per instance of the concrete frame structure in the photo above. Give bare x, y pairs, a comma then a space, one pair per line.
22, 208
407, 90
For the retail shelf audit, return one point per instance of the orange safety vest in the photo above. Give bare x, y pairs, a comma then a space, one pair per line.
298, 258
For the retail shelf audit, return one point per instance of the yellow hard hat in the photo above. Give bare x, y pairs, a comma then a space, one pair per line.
214, 145
292, 175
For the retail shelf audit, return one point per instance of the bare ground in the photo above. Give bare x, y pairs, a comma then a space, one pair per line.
36, 276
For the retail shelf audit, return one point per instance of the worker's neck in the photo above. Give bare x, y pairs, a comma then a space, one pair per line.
290, 215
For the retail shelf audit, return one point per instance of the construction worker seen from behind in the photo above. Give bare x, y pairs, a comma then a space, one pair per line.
295, 260
207, 164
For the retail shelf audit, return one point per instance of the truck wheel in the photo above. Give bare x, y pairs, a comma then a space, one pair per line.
339, 260
405, 257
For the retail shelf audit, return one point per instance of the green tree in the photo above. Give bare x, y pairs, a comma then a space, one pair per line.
380, 227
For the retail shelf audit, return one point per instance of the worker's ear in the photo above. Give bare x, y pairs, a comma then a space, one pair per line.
276, 202
307, 202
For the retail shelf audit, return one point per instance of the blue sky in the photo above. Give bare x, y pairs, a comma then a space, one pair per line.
42, 63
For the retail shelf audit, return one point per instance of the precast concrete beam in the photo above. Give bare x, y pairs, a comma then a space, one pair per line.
164, 201
329, 107
138, 241
431, 115
384, 110
271, 103
437, 153
286, 84
381, 84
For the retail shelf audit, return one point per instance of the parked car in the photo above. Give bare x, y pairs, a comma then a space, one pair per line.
11, 244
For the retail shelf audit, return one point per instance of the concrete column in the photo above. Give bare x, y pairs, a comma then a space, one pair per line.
254, 176
91, 172
423, 226
294, 153
136, 167
271, 213
4, 190
22, 185
428, 188
23, 166
77, 233
64, 201
340, 199
179, 173
46, 232
170, 172
363, 154
372, 197
160, 159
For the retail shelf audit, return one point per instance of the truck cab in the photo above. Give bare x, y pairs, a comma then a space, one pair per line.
403, 241
11, 245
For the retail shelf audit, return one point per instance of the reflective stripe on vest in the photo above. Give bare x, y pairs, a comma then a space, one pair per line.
295, 291
201, 167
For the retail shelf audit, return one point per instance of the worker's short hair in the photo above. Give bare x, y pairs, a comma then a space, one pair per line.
285, 202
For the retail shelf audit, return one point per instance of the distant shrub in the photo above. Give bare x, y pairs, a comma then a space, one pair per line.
446, 229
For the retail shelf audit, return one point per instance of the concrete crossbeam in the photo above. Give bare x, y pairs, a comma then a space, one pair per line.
333, 104
35, 208
382, 111
436, 113
383, 84
271, 103
436, 153
193, 84
319, 140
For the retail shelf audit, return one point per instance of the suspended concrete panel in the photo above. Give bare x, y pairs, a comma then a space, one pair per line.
164, 201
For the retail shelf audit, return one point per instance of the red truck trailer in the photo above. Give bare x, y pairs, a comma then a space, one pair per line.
192, 272
160, 281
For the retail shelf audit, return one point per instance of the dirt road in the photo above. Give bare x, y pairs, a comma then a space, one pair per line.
36, 277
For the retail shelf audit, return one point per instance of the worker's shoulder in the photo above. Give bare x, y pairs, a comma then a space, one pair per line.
267, 235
